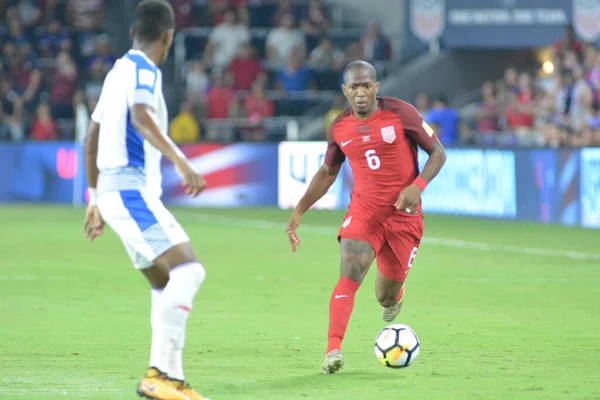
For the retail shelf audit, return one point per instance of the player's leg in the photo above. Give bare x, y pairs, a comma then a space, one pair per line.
390, 294
160, 248
186, 275
394, 260
356, 258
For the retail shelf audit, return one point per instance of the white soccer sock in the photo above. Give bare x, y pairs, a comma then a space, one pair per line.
176, 362
173, 308
155, 296
159, 350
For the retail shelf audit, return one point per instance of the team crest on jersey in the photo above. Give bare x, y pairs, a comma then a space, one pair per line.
388, 134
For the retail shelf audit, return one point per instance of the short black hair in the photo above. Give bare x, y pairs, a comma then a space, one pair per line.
152, 19
360, 65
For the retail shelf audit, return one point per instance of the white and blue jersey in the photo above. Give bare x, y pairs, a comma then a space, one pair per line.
125, 159
129, 185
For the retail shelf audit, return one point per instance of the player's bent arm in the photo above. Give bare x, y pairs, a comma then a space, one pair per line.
319, 185
90, 146
144, 123
437, 159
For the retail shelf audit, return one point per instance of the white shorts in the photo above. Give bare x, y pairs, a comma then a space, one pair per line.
145, 226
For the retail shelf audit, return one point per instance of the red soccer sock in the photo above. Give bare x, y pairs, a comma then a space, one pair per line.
340, 308
400, 294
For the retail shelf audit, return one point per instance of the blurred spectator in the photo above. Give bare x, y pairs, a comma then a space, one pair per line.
284, 8
11, 112
54, 39
520, 111
257, 107
327, 62
15, 34
315, 25
64, 86
219, 7
373, 46
185, 13
29, 13
184, 128
511, 80
568, 42
220, 103
487, 112
225, 40
54, 10
295, 75
245, 67
422, 105
26, 78
593, 75
284, 40
196, 82
86, 15
44, 127
95, 79
337, 107
570, 61
325, 56
102, 53
220, 98
581, 100
446, 120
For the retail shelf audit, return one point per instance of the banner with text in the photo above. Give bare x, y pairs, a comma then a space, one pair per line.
501, 23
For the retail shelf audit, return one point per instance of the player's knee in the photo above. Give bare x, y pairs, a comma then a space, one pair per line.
386, 298
189, 277
354, 267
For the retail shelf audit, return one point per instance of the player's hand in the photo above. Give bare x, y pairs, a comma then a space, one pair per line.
291, 227
409, 200
93, 224
192, 181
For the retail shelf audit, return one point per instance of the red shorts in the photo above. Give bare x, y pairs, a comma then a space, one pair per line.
394, 236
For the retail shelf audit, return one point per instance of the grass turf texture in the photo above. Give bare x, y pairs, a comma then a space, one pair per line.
74, 317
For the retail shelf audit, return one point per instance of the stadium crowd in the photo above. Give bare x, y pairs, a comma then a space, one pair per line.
55, 55
557, 106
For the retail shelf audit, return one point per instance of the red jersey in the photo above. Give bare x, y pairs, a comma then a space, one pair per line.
382, 150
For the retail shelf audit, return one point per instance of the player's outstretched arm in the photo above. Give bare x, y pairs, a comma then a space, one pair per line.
318, 187
144, 123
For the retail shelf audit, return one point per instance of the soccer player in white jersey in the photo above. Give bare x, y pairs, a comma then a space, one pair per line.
126, 140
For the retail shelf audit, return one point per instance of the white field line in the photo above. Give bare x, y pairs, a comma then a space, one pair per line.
272, 225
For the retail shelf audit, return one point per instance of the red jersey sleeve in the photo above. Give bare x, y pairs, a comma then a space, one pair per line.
334, 155
415, 127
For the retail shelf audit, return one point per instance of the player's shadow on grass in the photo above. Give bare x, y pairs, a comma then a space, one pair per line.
339, 381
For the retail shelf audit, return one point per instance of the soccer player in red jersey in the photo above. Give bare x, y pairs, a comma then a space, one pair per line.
379, 136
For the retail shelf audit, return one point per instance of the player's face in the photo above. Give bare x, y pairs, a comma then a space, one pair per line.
360, 88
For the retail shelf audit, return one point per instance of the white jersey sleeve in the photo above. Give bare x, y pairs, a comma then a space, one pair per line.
99, 110
146, 78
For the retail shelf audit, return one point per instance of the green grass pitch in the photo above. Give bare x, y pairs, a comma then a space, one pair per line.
503, 310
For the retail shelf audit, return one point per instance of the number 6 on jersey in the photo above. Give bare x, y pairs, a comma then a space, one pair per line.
372, 159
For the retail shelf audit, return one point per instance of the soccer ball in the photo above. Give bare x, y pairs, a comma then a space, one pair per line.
397, 346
